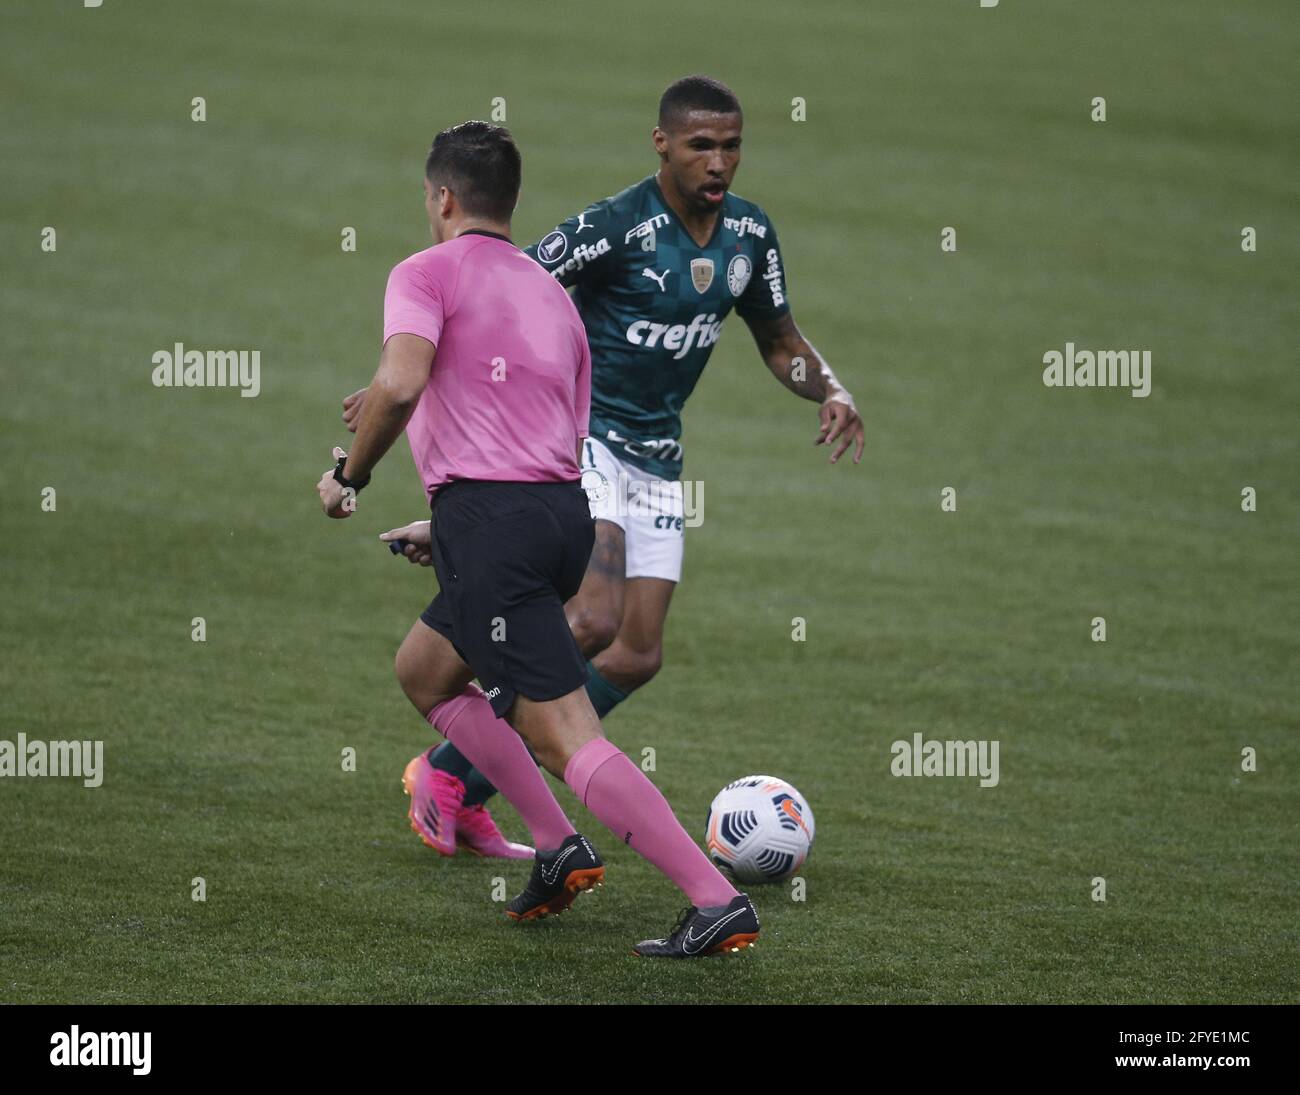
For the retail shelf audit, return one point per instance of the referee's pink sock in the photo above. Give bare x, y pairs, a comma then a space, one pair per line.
631, 807
467, 721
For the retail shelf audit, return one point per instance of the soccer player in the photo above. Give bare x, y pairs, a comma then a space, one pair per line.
654, 271
486, 367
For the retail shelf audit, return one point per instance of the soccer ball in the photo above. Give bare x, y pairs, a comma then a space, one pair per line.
760, 829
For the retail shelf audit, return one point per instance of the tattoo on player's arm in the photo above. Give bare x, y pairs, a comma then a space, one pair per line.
793, 360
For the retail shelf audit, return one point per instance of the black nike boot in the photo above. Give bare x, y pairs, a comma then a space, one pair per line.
558, 877
698, 934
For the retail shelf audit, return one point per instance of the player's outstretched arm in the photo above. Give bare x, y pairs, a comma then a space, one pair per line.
795, 362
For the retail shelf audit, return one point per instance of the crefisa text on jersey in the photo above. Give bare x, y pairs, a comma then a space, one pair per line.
583, 253
773, 278
645, 333
745, 226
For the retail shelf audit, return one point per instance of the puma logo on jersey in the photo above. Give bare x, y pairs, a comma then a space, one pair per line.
658, 279
582, 223
702, 331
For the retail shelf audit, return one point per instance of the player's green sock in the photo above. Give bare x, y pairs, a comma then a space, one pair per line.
603, 695
447, 758
478, 788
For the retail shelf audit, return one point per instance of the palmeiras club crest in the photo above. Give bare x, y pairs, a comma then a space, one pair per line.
738, 271
701, 274
595, 484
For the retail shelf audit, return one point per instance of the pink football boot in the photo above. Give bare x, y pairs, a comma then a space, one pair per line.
435, 804
479, 833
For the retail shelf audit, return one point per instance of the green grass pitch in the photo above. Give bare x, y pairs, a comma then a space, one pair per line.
1120, 760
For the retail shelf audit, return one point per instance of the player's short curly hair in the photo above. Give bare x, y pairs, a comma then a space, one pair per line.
695, 93
480, 164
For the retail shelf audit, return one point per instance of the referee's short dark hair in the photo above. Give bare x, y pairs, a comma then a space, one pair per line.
480, 164
695, 93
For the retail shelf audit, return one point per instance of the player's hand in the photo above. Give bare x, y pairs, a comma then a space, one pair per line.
419, 549
352, 405
840, 421
335, 500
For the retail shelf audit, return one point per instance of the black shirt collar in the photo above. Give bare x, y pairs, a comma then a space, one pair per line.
484, 232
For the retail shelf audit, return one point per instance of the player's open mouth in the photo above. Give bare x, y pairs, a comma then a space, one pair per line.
714, 192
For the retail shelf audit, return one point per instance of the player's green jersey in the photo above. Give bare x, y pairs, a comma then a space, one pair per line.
653, 302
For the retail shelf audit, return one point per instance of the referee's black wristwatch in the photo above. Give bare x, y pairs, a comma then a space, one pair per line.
342, 480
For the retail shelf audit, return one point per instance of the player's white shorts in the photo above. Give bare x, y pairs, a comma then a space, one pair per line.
648, 510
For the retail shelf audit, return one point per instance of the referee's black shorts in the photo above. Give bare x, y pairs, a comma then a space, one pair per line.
507, 556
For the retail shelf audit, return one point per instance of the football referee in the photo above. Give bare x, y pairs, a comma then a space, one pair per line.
485, 365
